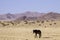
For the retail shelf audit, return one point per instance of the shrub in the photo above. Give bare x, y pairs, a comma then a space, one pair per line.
42, 21
54, 23
39, 24
3, 24
38, 21
50, 24
47, 21
11, 22
26, 22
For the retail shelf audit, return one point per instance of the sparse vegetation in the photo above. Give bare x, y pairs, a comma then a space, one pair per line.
3, 24
33, 22
50, 24
26, 39
11, 22
25, 32
55, 23
38, 21
26, 22
42, 21
39, 24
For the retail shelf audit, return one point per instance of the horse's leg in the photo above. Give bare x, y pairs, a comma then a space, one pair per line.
39, 35
35, 35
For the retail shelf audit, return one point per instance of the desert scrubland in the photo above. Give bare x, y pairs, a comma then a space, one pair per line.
23, 30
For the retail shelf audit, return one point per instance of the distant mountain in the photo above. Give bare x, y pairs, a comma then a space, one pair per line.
51, 16
7, 16
31, 16
40, 16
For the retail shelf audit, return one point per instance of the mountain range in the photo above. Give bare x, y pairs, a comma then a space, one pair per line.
31, 16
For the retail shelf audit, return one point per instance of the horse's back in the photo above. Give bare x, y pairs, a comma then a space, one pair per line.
37, 31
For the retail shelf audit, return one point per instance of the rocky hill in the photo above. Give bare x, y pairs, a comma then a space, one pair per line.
31, 16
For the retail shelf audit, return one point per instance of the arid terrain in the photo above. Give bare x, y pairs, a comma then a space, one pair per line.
29, 19
21, 26
24, 30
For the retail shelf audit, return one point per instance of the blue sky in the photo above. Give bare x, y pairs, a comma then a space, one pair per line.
18, 6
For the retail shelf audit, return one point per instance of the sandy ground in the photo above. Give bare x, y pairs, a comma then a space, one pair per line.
25, 32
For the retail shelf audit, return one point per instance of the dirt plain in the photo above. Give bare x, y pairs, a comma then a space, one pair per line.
22, 31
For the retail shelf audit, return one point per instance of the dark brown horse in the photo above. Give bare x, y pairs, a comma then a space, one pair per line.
37, 32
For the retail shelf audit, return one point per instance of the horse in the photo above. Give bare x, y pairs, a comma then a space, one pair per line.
37, 32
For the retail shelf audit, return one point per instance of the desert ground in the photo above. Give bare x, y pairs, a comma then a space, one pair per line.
24, 31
